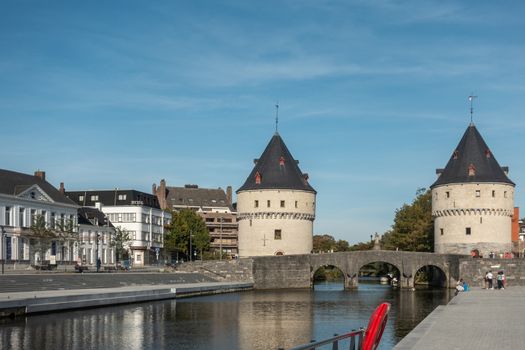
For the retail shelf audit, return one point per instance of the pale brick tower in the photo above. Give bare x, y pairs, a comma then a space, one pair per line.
276, 205
472, 201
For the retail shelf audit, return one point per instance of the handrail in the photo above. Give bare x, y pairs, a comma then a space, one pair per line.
335, 341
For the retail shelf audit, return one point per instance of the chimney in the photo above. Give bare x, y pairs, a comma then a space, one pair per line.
62, 189
161, 195
229, 194
41, 174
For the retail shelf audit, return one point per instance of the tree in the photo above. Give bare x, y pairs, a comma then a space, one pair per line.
66, 233
323, 243
40, 238
184, 223
413, 228
120, 242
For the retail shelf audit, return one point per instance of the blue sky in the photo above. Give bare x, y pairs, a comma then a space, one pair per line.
372, 94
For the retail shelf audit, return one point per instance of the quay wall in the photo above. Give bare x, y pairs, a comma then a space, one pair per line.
473, 270
238, 270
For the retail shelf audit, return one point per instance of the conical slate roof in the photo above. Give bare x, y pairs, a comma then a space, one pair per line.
472, 161
276, 169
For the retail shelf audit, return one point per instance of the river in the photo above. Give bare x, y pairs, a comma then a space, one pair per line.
246, 320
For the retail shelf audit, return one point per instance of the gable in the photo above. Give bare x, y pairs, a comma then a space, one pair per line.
34, 192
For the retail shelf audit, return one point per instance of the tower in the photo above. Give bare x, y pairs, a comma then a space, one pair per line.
472, 200
276, 205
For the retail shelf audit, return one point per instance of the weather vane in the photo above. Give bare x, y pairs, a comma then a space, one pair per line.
276, 116
471, 99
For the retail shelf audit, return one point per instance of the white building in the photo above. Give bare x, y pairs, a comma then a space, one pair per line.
22, 199
96, 235
276, 205
138, 213
472, 201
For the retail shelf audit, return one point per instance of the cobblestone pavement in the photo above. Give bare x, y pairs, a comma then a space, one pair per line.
479, 319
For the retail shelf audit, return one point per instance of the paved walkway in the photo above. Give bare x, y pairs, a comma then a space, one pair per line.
479, 319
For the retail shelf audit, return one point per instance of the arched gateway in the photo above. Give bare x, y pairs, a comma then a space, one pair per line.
297, 271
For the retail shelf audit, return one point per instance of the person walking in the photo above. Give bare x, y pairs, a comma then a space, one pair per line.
489, 280
99, 263
485, 281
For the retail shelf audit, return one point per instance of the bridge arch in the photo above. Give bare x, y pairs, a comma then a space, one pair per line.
438, 274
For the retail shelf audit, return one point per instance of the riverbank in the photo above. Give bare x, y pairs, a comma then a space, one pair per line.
479, 319
48, 292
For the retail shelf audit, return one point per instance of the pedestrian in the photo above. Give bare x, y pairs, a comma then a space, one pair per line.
99, 262
459, 286
489, 280
500, 278
485, 280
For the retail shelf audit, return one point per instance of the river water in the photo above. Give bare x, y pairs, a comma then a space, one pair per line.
246, 320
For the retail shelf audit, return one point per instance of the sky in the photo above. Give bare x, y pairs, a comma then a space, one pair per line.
373, 94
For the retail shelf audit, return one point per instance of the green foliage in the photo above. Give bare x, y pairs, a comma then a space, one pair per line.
413, 228
41, 236
120, 242
184, 223
328, 273
361, 246
326, 243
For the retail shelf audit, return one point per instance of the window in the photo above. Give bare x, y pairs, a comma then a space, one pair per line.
52, 220
7, 220
493, 193
122, 197
447, 194
478, 193
277, 234
282, 204
467, 231
480, 220
33, 216
81, 198
94, 198
268, 203
296, 204
256, 204
505, 194
441, 231
21, 217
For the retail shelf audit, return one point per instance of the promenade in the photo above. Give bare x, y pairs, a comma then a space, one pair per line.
478, 319
26, 294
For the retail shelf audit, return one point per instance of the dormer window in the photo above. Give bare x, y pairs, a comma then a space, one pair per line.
281, 161
487, 153
456, 154
471, 170
257, 178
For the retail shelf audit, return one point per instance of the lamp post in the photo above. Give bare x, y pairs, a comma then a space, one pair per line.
4, 253
220, 242
97, 256
190, 252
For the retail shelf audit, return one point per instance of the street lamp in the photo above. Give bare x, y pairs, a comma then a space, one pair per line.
97, 255
190, 246
4, 251
220, 242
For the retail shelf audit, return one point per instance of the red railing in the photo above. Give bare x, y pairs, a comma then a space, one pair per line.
362, 339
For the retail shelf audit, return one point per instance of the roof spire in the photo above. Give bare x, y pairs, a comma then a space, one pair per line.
276, 117
471, 99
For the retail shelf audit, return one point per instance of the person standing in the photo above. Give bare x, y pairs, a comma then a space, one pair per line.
99, 263
489, 280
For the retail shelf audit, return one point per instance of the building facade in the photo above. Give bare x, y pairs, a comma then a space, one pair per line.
96, 237
24, 198
138, 213
472, 201
276, 205
215, 207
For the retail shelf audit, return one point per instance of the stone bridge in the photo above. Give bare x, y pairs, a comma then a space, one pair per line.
297, 271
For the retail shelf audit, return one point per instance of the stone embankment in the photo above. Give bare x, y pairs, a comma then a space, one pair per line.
238, 270
26, 294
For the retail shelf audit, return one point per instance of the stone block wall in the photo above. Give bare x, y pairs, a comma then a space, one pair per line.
277, 272
239, 270
473, 270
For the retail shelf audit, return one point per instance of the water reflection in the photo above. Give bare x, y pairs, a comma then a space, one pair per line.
248, 320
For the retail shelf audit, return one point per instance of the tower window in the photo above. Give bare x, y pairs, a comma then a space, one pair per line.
268, 203
441, 231
447, 194
487, 153
467, 231
471, 170
480, 220
493, 194
282, 204
281, 161
256, 204
455, 155
257, 178
277, 234
296, 204
478, 193
505, 194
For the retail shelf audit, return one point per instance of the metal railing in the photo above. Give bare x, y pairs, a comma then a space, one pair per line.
355, 338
